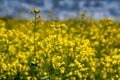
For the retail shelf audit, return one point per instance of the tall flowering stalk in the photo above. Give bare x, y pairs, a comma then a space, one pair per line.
36, 11
34, 64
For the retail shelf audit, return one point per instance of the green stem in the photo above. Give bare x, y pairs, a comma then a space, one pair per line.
34, 35
34, 31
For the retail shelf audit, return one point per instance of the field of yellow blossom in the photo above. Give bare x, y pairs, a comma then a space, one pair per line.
59, 50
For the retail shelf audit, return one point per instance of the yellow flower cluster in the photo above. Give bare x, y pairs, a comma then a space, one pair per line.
68, 50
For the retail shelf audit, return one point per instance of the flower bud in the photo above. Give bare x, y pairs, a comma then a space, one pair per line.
36, 11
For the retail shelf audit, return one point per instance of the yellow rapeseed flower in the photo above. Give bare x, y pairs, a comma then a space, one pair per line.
62, 70
93, 69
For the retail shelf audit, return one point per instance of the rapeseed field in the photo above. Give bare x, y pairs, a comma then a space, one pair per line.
82, 49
